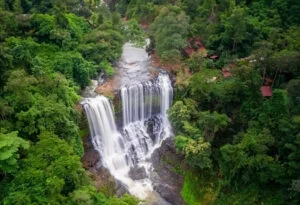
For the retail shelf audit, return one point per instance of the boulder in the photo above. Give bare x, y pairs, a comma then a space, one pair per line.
167, 182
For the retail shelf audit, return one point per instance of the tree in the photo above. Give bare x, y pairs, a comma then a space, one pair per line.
103, 43
10, 144
48, 175
211, 123
170, 29
294, 94
203, 87
197, 152
48, 115
19, 87
196, 61
234, 28
134, 33
178, 114
248, 160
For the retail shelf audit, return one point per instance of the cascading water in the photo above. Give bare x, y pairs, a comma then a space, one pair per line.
145, 125
142, 103
105, 137
110, 144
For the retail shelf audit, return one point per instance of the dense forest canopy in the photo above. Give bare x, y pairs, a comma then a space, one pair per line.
49, 50
236, 113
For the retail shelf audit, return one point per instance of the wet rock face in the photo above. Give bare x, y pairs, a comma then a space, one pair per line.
91, 162
137, 173
167, 182
90, 159
121, 189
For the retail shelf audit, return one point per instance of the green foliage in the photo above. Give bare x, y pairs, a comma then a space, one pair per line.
203, 86
52, 173
77, 26
125, 200
294, 94
189, 193
46, 114
197, 153
178, 114
74, 66
234, 28
248, 160
196, 61
10, 144
49, 173
251, 194
20, 52
197, 130
103, 43
257, 159
8, 24
47, 52
19, 87
170, 28
133, 33
211, 123
44, 104
43, 24
199, 187
107, 67
62, 29
144, 11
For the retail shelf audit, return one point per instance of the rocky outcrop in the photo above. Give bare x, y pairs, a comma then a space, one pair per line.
166, 177
100, 176
90, 158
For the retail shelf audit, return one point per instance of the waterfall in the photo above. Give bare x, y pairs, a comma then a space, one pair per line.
145, 125
143, 100
126, 150
110, 144
105, 137
141, 103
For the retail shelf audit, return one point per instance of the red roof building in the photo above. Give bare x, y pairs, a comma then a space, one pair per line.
266, 91
226, 72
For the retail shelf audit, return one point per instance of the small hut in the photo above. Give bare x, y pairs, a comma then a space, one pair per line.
266, 88
266, 91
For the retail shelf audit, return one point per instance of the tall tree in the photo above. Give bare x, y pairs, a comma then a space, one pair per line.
170, 30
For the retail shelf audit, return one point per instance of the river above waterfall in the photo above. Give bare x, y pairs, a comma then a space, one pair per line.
134, 66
